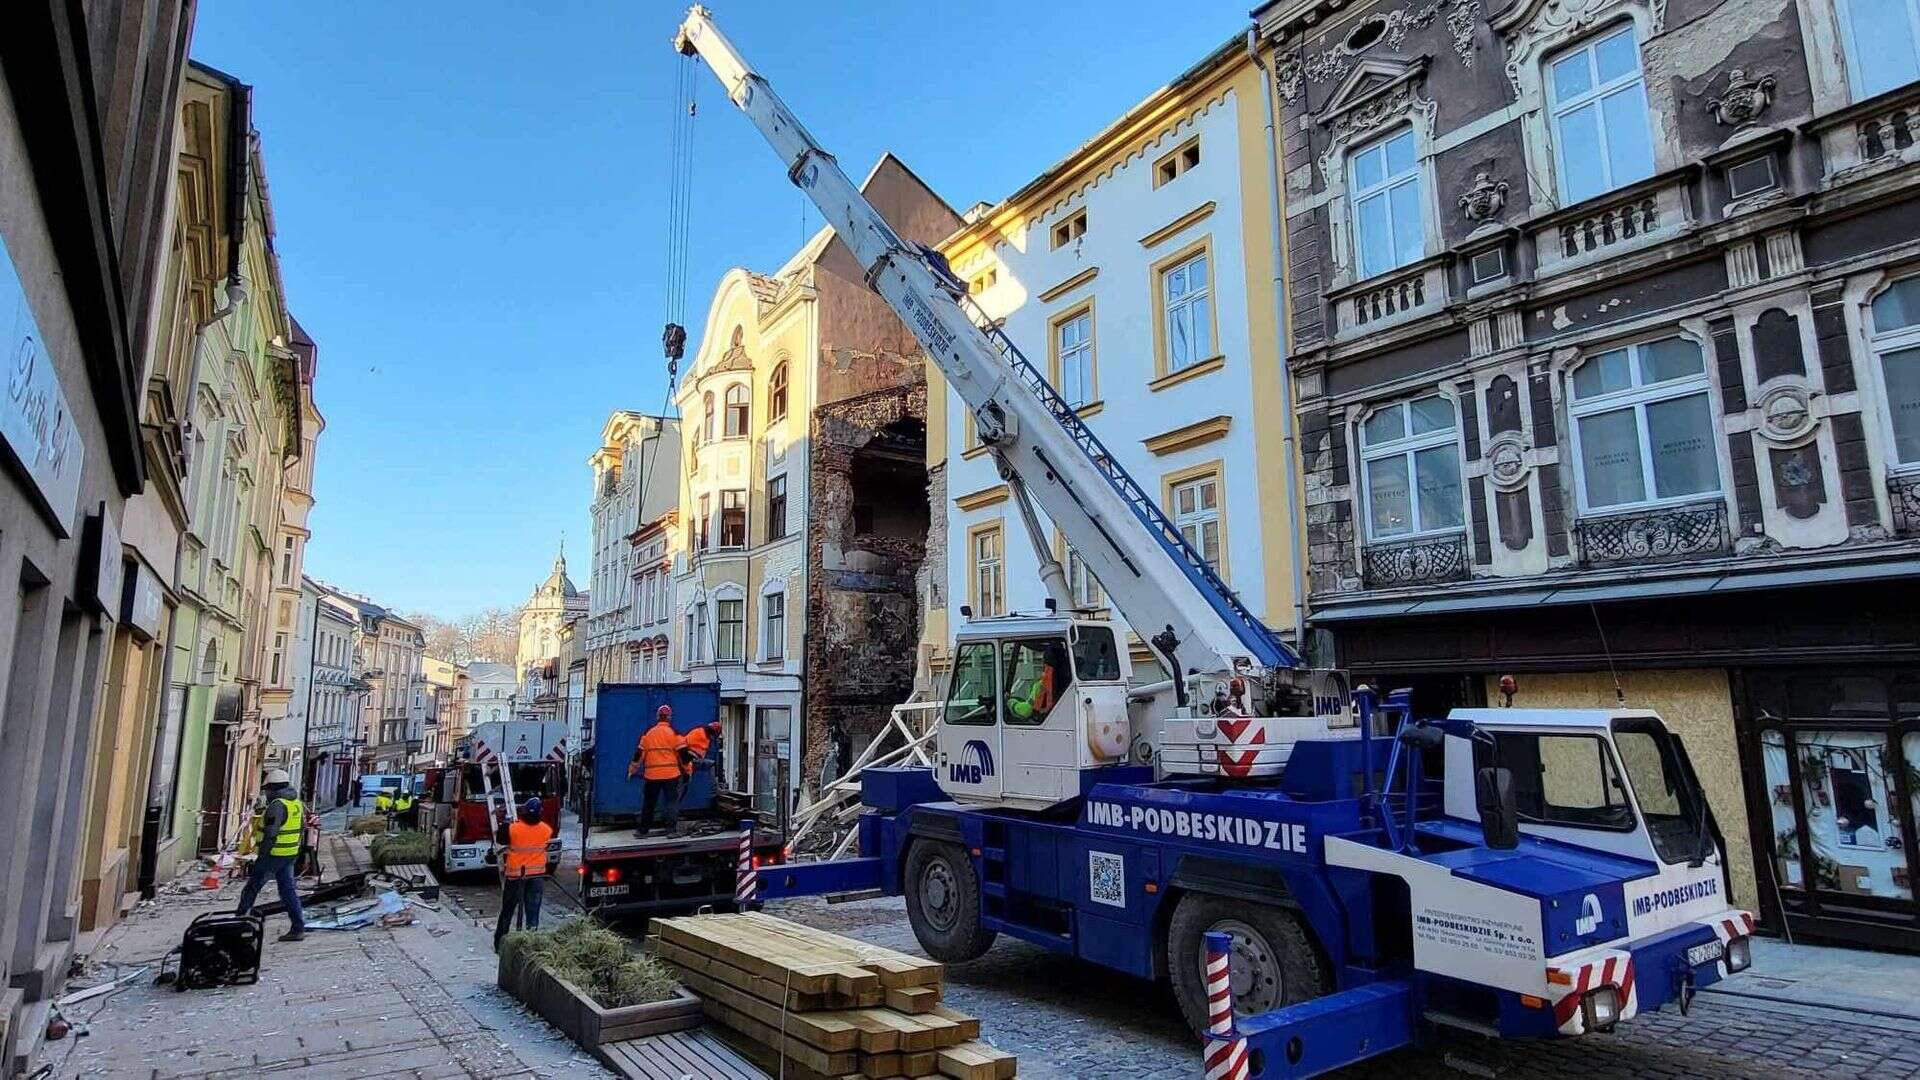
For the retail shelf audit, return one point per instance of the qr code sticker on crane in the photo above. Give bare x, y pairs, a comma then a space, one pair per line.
1107, 878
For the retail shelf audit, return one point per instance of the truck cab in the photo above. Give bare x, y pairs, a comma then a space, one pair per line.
1032, 701
533, 753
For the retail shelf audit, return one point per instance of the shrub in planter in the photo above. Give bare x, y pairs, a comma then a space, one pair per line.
587, 981
400, 849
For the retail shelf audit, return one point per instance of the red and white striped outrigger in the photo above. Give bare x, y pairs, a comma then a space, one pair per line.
1226, 1054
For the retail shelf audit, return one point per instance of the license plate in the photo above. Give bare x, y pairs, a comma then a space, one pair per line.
1701, 954
608, 890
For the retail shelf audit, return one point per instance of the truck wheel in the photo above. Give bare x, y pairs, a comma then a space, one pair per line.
943, 902
1274, 961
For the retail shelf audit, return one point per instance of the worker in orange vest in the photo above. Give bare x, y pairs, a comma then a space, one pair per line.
657, 760
523, 870
699, 741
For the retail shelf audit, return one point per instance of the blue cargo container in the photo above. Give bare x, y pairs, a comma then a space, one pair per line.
626, 712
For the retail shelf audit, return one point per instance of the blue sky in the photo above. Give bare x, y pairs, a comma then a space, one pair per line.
470, 200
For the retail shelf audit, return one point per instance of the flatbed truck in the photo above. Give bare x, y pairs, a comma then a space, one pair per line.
1371, 878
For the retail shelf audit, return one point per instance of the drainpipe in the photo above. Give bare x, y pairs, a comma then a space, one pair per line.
1290, 450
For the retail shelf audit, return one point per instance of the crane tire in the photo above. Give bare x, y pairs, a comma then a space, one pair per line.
943, 902
1275, 961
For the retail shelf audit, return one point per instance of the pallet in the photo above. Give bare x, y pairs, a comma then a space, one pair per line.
676, 1056
809, 959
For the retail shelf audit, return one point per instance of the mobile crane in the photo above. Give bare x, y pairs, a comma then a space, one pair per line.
1380, 877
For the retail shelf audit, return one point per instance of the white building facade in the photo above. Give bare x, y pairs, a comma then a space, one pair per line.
636, 478
490, 692
1137, 276
332, 699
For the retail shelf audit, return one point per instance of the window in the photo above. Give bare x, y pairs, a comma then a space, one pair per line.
1176, 164
1072, 228
1490, 265
1034, 675
1599, 104
777, 394
731, 617
1665, 791
1186, 307
737, 411
773, 618
1195, 504
1081, 584
1642, 428
706, 423
987, 572
1896, 341
1073, 357
1389, 229
286, 561
776, 508
700, 630
1095, 658
1411, 469
974, 689
1751, 177
703, 522
1882, 50
1568, 780
733, 519
279, 658
983, 282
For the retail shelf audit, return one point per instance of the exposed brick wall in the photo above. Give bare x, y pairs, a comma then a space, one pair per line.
863, 590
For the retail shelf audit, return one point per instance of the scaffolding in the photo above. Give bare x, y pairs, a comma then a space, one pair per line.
903, 741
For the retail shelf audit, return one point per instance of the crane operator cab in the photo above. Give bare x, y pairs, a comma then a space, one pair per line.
1032, 701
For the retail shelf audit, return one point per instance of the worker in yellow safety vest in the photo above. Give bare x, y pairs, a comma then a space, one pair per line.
277, 848
523, 870
657, 760
382, 802
403, 810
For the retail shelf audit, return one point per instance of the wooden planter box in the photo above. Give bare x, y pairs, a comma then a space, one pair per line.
568, 1008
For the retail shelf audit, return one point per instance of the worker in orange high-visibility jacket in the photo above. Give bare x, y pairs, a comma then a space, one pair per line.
523, 870
657, 761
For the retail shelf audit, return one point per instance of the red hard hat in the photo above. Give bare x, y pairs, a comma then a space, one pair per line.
713, 725
665, 713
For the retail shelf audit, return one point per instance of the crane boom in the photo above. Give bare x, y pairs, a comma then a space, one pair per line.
1155, 578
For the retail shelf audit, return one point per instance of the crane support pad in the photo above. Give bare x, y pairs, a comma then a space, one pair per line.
1332, 1032
818, 878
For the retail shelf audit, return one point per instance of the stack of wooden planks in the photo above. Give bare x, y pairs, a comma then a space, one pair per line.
825, 1005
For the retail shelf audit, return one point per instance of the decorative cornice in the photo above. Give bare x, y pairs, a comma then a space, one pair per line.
1071, 283
1173, 228
1186, 438
985, 497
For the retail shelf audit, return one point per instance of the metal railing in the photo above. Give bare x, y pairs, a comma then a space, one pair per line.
1415, 562
1653, 534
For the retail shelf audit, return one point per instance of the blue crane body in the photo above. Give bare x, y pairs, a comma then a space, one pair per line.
1372, 879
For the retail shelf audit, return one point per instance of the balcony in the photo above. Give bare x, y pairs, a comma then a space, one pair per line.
1903, 496
1387, 299
1655, 534
1426, 561
1614, 224
1873, 136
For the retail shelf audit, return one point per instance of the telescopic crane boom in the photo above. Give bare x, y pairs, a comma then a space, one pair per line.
1154, 577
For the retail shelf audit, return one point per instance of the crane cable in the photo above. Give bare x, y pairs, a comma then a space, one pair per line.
680, 153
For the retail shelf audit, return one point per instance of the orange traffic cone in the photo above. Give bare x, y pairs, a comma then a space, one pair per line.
212, 880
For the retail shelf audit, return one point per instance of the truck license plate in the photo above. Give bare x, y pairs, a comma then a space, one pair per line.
1700, 954
608, 890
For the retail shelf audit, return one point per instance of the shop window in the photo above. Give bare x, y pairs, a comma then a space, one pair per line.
1410, 460
1896, 343
1642, 427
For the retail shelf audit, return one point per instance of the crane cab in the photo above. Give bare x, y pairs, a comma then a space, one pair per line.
1030, 702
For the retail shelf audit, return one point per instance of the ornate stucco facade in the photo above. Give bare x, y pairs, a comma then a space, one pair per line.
554, 605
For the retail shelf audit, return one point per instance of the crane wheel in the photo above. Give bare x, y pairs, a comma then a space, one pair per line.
943, 902
1274, 960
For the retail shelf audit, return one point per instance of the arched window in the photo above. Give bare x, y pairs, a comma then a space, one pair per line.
706, 424
777, 394
737, 411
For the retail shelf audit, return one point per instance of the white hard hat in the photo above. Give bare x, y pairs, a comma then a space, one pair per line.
276, 777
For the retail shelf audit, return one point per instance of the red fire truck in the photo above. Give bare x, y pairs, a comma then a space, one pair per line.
533, 754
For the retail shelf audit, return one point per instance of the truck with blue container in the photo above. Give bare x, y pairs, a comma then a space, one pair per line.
622, 873
1350, 877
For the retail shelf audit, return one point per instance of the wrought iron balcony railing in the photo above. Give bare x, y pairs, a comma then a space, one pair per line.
1903, 495
1425, 561
1655, 534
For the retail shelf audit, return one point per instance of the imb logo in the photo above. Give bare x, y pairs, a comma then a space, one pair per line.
974, 766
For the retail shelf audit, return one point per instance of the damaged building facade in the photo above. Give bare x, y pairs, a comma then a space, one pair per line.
802, 502
1604, 316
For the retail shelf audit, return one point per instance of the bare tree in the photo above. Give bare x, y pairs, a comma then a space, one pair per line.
443, 637
493, 634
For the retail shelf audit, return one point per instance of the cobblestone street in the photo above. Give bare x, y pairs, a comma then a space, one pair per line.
1069, 1020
